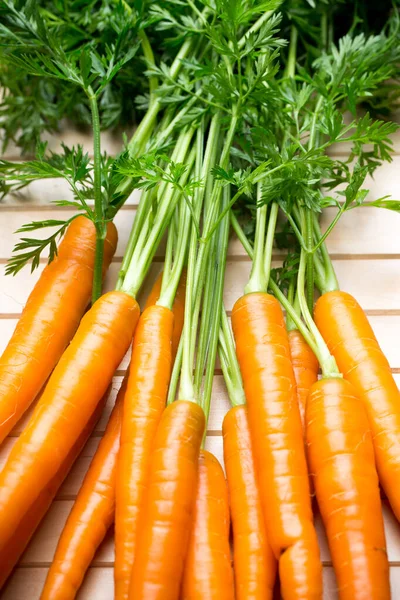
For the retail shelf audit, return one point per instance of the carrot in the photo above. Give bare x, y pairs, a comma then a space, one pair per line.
91, 515
149, 375
263, 353
178, 307
254, 562
145, 399
305, 367
49, 320
341, 458
70, 398
350, 338
94, 507
208, 570
31, 519
167, 507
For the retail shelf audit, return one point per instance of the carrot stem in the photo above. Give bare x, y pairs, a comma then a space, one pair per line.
137, 228
320, 349
172, 276
98, 200
196, 276
229, 363
143, 255
142, 133
149, 56
269, 242
241, 234
309, 236
291, 64
217, 300
330, 282
258, 281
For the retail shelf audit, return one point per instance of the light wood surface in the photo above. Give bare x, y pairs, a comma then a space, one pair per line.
366, 251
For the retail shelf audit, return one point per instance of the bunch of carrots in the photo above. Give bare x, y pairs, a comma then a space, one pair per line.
250, 126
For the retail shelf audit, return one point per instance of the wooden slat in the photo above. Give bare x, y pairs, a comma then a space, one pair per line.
354, 276
362, 232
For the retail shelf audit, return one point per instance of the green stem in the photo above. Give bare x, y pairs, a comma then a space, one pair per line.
209, 225
330, 282
149, 56
101, 227
164, 134
143, 255
217, 303
185, 353
295, 317
320, 349
169, 250
290, 324
319, 272
241, 234
229, 363
331, 225
171, 279
140, 218
313, 128
258, 281
142, 133
207, 311
98, 268
269, 242
197, 264
309, 238
291, 64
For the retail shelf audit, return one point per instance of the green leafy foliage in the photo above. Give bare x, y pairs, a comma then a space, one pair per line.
29, 250
52, 52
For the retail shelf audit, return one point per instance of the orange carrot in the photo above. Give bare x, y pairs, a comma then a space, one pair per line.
93, 510
178, 308
49, 320
31, 519
208, 570
91, 515
341, 458
350, 339
263, 353
145, 399
168, 505
305, 367
254, 562
70, 398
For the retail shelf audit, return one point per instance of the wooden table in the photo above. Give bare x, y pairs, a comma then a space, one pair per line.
365, 247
